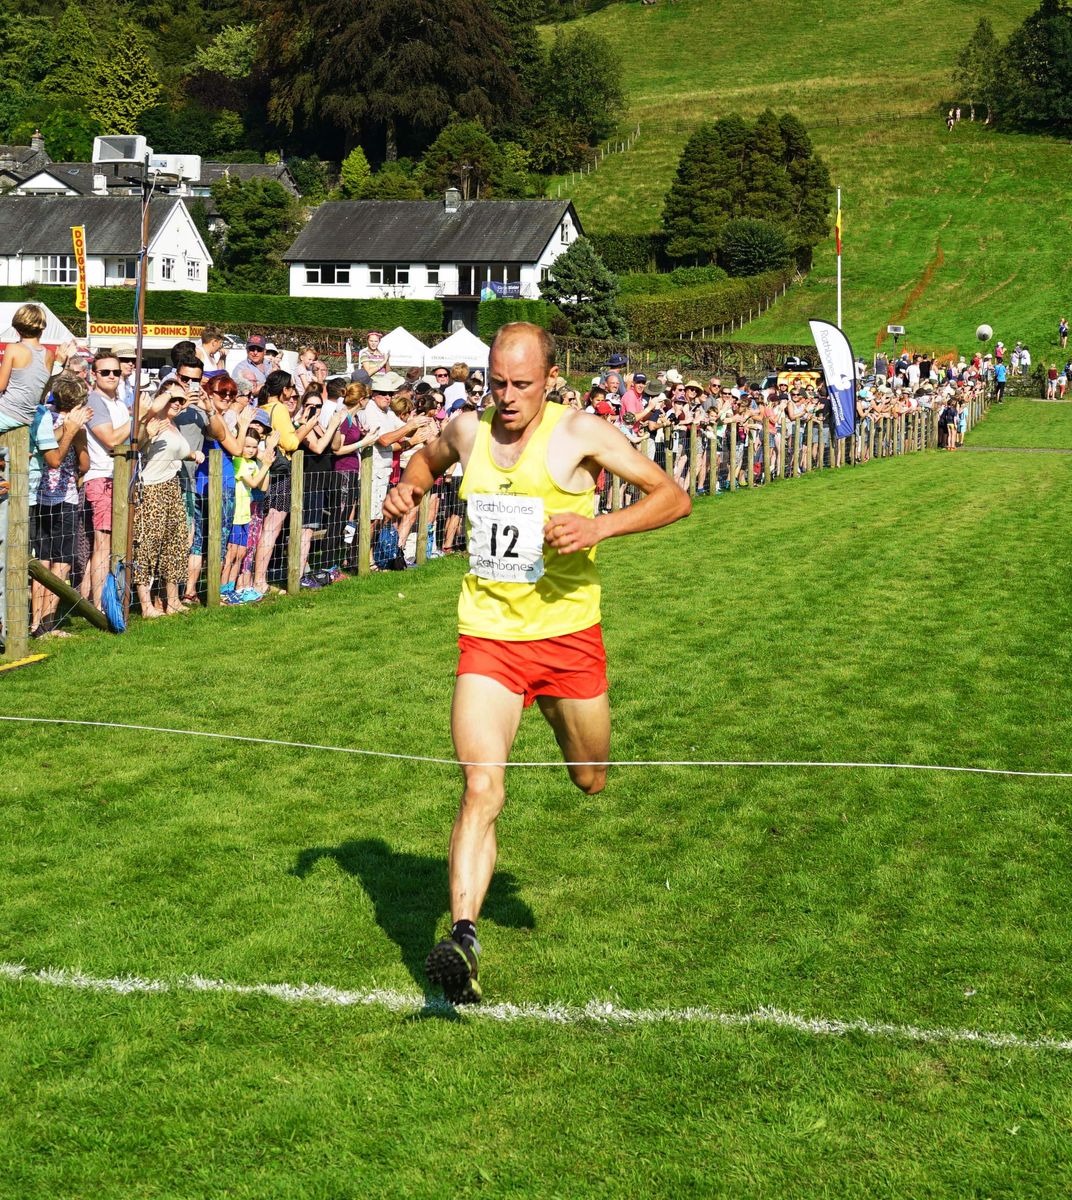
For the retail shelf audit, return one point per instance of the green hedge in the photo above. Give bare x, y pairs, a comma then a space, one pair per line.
665, 283
624, 253
690, 309
236, 310
492, 314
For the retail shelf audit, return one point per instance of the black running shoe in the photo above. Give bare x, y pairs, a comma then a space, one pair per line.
453, 966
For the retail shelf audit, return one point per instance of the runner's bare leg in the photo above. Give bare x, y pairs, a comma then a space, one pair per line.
582, 729
484, 718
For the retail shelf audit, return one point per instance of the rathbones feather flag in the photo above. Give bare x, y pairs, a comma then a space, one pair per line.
81, 293
839, 369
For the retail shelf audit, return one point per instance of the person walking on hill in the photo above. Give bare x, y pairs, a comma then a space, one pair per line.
529, 612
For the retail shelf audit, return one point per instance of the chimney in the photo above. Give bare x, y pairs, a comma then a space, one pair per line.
452, 201
100, 185
37, 142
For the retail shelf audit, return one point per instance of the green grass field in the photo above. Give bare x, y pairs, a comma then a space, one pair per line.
1026, 424
941, 232
905, 611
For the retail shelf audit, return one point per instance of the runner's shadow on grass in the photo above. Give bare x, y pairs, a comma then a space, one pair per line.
409, 893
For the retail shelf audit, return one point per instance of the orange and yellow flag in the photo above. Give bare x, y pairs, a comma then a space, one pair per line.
81, 291
837, 232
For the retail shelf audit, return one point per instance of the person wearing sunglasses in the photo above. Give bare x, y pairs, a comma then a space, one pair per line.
253, 367
108, 428
160, 517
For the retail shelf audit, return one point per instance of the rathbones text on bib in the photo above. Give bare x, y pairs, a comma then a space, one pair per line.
495, 507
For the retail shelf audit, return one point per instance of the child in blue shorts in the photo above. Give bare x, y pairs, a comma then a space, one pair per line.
251, 470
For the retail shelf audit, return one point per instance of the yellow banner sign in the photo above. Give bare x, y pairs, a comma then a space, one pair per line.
81, 291
111, 329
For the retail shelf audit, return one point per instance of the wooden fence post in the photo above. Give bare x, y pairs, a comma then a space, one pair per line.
364, 514
16, 545
121, 505
297, 497
694, 458
750, 462
214, 529
422, 528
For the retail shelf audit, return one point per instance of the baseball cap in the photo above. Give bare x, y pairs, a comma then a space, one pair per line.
603, 409
256, 342
640, 377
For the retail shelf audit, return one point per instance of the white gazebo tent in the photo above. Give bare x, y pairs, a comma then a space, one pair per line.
56, 333
461, 346
404, 349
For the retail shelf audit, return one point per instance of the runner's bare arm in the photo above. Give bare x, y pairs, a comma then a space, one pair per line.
663, 502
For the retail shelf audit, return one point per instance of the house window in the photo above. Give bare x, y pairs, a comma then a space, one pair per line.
193, 268
389, 274
433, 273
167, 268
545, 274
565, 234
121, 270
55, 268
328, 273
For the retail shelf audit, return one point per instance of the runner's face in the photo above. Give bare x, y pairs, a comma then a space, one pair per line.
519, 381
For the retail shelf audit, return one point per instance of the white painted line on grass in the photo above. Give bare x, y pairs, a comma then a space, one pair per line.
595, 1012
556, 763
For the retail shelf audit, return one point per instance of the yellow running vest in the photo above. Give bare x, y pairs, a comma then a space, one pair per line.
519, 588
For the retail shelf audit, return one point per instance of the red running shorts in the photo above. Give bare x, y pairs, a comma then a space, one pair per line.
570, 667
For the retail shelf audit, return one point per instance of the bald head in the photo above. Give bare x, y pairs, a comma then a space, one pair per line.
526, 332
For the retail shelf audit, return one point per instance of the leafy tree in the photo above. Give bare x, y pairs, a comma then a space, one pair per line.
393, 182
582, 82
1033, 86
465, 156
749, 247
354, 176
310, 177
977, 67
231, 53
128, 85
400, 68
25, 51
75, 59
262, 220
69, 134
555, 143
582, 288
227, 131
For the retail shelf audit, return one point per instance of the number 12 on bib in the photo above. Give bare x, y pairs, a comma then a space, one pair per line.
506, 538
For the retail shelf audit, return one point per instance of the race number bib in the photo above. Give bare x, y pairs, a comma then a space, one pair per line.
506, 538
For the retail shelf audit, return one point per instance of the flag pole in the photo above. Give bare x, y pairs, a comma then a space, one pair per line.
838, 228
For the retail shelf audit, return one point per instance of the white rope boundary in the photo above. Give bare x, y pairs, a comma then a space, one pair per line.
628, 762
595, 1012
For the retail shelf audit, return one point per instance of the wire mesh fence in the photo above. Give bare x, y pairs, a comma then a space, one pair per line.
242, 526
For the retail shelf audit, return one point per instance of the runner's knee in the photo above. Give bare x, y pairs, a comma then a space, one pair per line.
484, 792
590, 780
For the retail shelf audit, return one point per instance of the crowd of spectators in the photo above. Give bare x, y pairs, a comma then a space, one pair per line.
705, 433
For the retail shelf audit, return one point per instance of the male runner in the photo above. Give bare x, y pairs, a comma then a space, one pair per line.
528, 613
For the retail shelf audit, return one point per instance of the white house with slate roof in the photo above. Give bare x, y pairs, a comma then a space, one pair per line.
450, 250
35, 242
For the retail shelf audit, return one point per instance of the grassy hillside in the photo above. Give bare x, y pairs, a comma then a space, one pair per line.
941, 231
